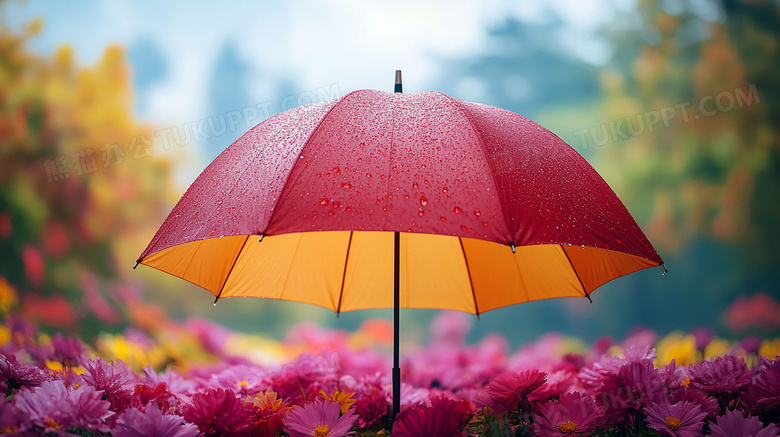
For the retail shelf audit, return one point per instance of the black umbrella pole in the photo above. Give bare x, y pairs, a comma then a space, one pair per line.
396, 299
396, 323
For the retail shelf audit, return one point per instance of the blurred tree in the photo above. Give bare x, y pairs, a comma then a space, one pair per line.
80, 181
691, 143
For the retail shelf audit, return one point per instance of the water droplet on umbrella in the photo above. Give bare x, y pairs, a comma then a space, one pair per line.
420, 213
346, 185
457, 210
423, 201
463, 228
324, 202
485, 224
477, 212
444, 219
414, 185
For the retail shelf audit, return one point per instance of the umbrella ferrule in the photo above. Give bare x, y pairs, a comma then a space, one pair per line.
261, 238
398, 83
512, 246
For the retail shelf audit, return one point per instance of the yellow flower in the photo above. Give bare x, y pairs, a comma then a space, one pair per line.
716, 348
8, 297
345, 399
267, 399
54, 365
678, 347
5, 335
769, 348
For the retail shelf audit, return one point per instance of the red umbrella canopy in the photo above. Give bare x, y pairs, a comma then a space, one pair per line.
418, 163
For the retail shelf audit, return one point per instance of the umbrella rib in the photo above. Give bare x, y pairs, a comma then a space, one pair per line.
474, 130
577, 274
344, 275
235, 261
468, 271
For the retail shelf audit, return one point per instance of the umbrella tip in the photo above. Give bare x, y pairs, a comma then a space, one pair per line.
665, 271
136, 265
398, 82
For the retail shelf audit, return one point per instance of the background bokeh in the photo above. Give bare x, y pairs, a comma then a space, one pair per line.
108, 110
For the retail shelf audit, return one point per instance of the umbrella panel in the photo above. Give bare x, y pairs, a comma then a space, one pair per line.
353, 270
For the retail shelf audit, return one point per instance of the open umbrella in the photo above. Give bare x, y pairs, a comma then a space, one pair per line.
393, 200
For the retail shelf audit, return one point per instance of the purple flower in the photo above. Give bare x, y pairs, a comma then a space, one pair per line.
726, 377
703, 337
53, 407
219, 412
766, 390
708, 404
114, 379
572, 413
593, 377
68, 351
152, 423
15, 375
633, 387
751, 344
319, 418
682, 419
734, 424
10, 418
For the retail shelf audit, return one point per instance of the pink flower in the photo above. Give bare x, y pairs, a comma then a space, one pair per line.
505, 392
726, 376
734, 424
371, 403
219, 412
450, 327
176, 384
437, 417
558, 382
211, 335
573, 413
682, 419
114, 379
152, 423
320, 418
53, 407
15, 375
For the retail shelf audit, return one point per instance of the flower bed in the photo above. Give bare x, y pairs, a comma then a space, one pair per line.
201, 379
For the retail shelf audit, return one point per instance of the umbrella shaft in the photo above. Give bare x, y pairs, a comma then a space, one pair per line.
396, 324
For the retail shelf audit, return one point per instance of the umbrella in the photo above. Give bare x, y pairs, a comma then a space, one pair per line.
393, 200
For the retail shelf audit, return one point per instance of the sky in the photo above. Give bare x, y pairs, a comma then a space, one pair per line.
313, 44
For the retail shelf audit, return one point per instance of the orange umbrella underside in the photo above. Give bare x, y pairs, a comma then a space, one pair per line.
350, 270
